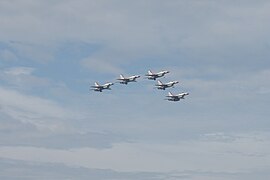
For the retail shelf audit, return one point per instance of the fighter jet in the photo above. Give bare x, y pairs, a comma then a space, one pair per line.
163, 86
153, 76
176, 97
126, 80
99, 88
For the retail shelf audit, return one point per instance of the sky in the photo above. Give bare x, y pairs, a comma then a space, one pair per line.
53, 127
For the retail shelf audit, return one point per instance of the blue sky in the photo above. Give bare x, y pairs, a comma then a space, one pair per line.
52, 51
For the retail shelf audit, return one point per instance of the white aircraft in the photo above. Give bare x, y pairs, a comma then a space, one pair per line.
153, 76
176, 97
99, 88
126, 80
163, 86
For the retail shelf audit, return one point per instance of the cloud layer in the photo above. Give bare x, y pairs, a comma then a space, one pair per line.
51, 51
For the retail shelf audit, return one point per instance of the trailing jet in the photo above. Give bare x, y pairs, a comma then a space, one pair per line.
163, 86
99, 88
176, 97
126, 80
153, 76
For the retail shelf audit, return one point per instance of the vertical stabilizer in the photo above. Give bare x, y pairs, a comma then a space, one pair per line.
121, 76
150, 72
159, 82
96, 84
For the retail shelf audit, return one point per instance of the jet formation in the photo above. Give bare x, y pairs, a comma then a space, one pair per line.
151, 76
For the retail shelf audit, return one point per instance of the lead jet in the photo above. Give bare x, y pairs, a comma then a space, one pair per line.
153, 76
163, 86
126, 80
176, 97
99, 88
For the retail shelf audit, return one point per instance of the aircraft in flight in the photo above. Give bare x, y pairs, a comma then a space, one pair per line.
153, 76
176, 97
99, 88
126, 80
163, 86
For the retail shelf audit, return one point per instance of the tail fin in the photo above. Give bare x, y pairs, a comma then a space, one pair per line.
96, 84
170, 94
121, 76
159, 82
150, 72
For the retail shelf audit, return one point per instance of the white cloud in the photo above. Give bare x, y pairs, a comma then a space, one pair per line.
36, 52
28, 170
15, 71
219, 84
208, 156
136, 29
42, 113
101, 66
23, 78
7, 55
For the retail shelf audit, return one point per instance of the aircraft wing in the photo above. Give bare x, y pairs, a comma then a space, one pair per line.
151, 75
122, 79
